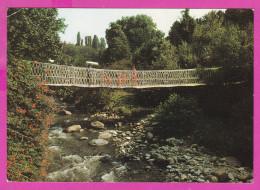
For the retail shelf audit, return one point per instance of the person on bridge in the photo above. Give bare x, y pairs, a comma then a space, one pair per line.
89, 74
105, 80
124, 78
118, 80
109, 81
134, 77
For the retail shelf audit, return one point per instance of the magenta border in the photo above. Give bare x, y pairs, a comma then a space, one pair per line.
209, 4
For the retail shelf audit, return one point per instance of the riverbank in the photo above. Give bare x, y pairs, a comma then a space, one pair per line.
134, 153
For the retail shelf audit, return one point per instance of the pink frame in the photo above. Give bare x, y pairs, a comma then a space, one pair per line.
209, 4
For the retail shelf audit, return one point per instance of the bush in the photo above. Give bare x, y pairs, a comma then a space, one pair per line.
179, 114
29, 113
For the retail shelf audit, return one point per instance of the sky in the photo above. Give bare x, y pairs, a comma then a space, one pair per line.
90, 22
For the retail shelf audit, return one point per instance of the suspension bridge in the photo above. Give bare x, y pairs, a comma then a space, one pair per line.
63, 75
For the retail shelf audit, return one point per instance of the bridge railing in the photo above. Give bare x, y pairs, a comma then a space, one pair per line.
62, 75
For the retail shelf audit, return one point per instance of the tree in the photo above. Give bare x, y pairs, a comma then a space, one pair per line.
138, 29
182, 30
118, 47
102, 44
95, 43
89, 41
78, 39
81, 43
241, 17
34, 33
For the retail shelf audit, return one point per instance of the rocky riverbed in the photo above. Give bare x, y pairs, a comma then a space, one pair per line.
105, 147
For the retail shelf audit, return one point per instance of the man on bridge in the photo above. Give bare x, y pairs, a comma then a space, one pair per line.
89, 74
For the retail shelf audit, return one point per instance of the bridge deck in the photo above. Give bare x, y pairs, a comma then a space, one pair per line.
122, 87
62, 75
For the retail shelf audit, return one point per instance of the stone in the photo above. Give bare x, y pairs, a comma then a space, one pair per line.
184, 177
192, 162
81, 130
128, 133
83, 138
205, 171
174, 141
73, 128
160, 158
211, 178
155, 123
149, 136
86, 119
232, 161
221, 174
98, 142
104, 135
147, 168
97, 125
243, 177
193, 146
197, 173
128, 138
200, 180
231, 176
120, 124
65, 112
214, 159
93, 131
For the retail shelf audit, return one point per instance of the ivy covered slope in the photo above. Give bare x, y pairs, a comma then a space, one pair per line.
32, 35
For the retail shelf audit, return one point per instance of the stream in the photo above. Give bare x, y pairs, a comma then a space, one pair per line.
133, 153
75, 160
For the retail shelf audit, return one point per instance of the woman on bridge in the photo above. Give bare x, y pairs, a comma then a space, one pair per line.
134, 77
124, 78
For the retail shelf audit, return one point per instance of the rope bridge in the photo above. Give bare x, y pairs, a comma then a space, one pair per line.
62, 75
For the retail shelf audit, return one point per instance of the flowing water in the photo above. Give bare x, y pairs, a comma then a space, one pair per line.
74, 160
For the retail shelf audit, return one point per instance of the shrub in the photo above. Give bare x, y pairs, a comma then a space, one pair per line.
179, 114
28, 119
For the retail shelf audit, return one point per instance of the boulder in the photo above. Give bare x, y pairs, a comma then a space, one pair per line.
184, 177
98, 142
149, 136
221, 174
64, 112
245, 177
104, 135
211, 178
81, 130
83, 138
73, 128
174, 141
97, 125
232, 161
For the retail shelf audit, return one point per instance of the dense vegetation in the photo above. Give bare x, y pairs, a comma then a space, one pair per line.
32, 35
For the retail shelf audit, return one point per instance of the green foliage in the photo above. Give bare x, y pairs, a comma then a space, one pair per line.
167, 57
78, 39
34, 33
182, 31
179, 114
28, 119
78, 55
118, 47
138, 29
95, 43
240, 17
